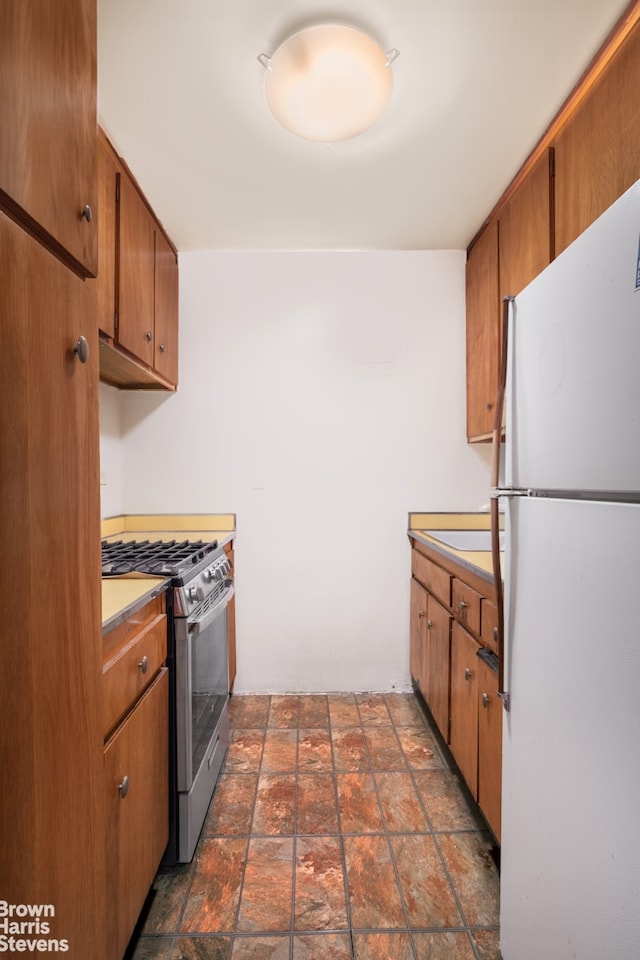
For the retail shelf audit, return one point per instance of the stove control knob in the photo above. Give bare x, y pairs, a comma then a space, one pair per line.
194, 594
219, 572
207, 575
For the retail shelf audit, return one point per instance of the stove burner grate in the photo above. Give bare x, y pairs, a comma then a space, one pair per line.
161, 557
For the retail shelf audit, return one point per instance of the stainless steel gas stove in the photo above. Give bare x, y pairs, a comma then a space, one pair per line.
201, 588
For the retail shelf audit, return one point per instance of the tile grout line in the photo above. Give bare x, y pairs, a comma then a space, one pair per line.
345, 873
436, 835
384, 825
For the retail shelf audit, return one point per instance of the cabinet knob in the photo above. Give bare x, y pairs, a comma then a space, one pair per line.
485, 700
144, 664
420, 614
149, 336
86, 213
161, 348
494, 633
123, 788
81, 349
429, 624
467, 674
489, 405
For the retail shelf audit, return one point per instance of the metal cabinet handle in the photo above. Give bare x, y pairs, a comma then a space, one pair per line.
485, 700
81, 349
149, 336
420, 614
86, 213
489, 405
161, 348
429, 624
467, 674
494, 634
463, 604
123, 788
144, 664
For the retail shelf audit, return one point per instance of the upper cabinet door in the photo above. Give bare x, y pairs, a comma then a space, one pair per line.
526, 246
598, 149
48, 102
108, 178
136, 276
483, 333
166, 310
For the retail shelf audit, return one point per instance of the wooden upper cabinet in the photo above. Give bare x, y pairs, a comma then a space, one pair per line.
166, 310
598, 148
526, 228
108, 184
48, 123
136, 274
483, 332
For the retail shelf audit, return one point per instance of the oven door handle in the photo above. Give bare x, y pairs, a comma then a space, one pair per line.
197, 625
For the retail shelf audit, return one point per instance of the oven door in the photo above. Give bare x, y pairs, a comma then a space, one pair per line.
202, 685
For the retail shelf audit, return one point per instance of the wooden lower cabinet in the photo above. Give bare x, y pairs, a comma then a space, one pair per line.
459, 687
51, 826
231, 619
489, 746
136, 787
464, 705
437, 655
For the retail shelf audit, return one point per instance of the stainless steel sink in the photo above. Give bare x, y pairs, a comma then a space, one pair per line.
465, 539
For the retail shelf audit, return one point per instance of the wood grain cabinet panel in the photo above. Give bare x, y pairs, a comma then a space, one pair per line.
48, 123
489, 746
465, 602
52, 847
417, 634
136, 290
131, 669
483, 332
526, 228
597, 151
437, 664
436, 580
136, 802
464, 705
166, 309
231, 619
109, 172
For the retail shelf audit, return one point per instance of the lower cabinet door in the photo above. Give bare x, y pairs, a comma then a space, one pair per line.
438, 649
137, 809
417, 626
489, 747
464, 705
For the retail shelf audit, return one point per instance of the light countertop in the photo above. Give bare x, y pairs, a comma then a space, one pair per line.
478, 561
123, 596
215, 526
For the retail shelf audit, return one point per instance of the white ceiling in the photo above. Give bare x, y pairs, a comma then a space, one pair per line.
180, 92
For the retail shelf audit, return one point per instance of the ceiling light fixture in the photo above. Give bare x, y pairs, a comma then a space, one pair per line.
328, 82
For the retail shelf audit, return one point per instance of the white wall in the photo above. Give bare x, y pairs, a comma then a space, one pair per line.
111, 453
321, 398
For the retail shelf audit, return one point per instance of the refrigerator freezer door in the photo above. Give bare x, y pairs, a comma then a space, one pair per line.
573, 396
570, 878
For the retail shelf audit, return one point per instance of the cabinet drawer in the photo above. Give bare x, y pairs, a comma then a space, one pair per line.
489, 625
465, 604
137, 818
434, 578
131, 669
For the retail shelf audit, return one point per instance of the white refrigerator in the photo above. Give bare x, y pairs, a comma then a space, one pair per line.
570, 858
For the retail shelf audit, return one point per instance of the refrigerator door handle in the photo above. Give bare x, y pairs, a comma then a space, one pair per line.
495, 493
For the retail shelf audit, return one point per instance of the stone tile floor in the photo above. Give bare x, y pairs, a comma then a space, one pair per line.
337, 832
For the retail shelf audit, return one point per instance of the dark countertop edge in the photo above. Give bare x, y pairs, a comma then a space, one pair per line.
452, 554
122, 615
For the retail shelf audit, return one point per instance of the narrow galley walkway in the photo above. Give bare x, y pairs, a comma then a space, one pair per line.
337, 831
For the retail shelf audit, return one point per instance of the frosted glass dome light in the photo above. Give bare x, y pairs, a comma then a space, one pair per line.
328, 82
